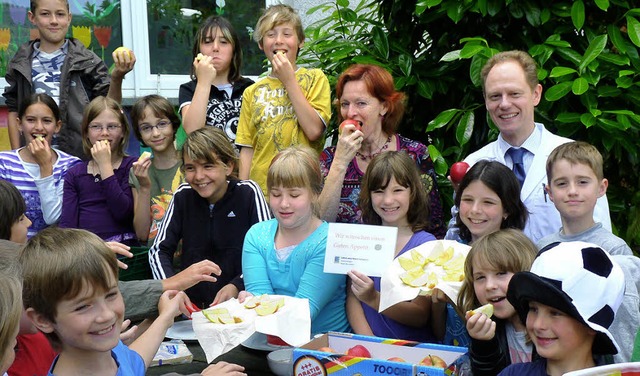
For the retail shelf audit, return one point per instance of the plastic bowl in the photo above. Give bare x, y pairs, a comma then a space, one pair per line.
281, 362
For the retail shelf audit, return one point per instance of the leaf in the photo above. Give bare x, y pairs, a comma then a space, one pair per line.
470, 50
595, 48
561, 71
442, 119
608, 91
475, 69
426, 88
465, 127
558, 91
423, 5
568, 117
577, 14
451, 56
614, 58
633, 28
580, 85
624, 82
617, 39
380, 41
587, 119
405, 63
602, 4
439, 162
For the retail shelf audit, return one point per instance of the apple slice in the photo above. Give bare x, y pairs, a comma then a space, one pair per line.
200, 57
267, 308
487, 309
252, 303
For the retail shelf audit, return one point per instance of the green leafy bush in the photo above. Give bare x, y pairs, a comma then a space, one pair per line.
587, 52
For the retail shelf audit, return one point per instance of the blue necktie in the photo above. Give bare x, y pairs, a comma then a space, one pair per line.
518, 165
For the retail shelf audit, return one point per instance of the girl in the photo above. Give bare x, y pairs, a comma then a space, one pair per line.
490, 264
210, 216
489, 200
285, 255
392, 195
37, 170
155, 124
214, 94
97, 196
14, 223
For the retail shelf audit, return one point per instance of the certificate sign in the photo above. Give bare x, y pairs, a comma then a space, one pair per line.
365, 248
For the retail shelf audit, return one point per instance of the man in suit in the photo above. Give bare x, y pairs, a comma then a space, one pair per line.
511, 93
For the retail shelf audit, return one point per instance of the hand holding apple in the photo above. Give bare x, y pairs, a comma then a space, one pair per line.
355, 123
457, 172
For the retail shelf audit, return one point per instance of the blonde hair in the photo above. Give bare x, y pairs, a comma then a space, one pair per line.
296, 167
275, 15
576, 152
10, 296
522, 58
211, 144
507, 250
58, 264
97, 106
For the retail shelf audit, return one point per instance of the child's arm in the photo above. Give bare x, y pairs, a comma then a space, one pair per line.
246, 156
223, 369
148, 343
141, 198
480, 327
69, 215
254, 264
194, 114
14, 133
124, 62
166, 243
308, 118
118, 193
355, 314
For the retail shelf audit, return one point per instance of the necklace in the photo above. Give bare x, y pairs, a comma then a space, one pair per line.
384, 147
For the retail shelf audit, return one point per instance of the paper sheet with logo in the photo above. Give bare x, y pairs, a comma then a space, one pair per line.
365, 248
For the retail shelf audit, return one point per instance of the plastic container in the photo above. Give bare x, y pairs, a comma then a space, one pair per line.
281, 362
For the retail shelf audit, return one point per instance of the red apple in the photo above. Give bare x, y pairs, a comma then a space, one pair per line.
396, 359
355, 123
359, 351
433, 361
457, 171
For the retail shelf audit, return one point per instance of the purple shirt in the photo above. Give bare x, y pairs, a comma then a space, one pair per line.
348, 210
383, 326
104, 207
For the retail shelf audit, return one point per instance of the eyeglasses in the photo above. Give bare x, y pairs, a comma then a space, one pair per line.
111, 128
148, 128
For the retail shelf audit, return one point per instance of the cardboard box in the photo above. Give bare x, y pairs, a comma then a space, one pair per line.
308, 361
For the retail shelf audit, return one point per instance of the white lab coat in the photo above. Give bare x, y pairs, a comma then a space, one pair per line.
544, 218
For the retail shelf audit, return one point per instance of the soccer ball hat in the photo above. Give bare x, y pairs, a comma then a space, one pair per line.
577, 278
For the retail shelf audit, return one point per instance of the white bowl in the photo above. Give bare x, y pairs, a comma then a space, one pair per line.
281, 362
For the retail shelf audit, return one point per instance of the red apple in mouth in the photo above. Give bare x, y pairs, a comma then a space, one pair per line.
356, 123
457, 172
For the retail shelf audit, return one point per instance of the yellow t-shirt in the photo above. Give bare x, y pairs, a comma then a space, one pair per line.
269, 124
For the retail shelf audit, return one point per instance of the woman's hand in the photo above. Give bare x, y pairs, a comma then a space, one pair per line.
480, 326
363, 288
349, 143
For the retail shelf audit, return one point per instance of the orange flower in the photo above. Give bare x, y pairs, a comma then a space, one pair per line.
103, 34
83, 34
5, 38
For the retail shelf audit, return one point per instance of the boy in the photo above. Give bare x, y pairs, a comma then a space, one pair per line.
210, 215
568, 301
71, 294
63, 68
290, 106
576, 181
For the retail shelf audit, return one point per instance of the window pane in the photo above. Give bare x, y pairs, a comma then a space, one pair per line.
172, 31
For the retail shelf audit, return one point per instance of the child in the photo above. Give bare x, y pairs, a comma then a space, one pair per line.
97, 196
489, 200
285, 255
37, 170
214, 94
82, 312
211, 215
291, 106
499, 341
568, 302
155, 124
392, 195
14, 224
40, 65
10, 305
576, 182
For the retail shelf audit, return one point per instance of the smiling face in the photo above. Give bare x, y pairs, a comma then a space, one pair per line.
216, 45
481, 209
282, 38
52, 19
490, 286
392, 203
358, 104
159, 140
38, 121
106, 127
556, 335
292, 207
209, 180
574, 190
90, 321
510, 101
